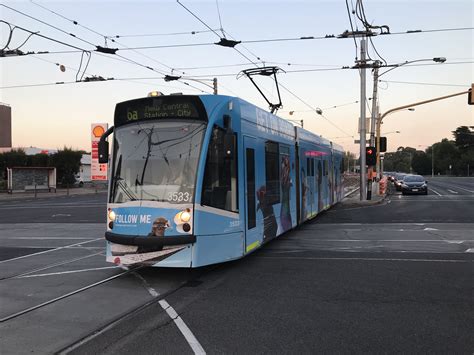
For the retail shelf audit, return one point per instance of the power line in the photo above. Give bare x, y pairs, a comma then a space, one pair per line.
49, 25
269, 40
89, 80
316, 110
120, 56
421, 83
159, 34
49, 38
76, 23
352, 28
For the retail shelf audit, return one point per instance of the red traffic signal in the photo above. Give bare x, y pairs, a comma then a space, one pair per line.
370, 156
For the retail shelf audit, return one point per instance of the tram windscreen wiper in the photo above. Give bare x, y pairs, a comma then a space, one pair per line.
119, 181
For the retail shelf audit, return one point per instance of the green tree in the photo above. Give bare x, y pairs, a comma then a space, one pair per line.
463, 138
446, 154
421, 163
13, 158
464, 141
40, 160
67, 163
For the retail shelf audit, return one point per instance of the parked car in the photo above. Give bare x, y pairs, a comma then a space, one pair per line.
397, 181
414, 184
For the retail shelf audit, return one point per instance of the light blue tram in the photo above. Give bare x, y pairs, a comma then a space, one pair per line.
197, 180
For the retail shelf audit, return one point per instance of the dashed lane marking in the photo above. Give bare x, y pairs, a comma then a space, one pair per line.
453, 192
178, 321
436, 192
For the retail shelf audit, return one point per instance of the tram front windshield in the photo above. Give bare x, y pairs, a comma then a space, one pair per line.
156, 161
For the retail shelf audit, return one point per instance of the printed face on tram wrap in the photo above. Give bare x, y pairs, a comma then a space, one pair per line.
159, 227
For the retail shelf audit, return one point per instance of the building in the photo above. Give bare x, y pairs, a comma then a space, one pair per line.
5, 127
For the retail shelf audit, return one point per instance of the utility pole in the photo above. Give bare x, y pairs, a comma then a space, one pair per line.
363, 129
373, 118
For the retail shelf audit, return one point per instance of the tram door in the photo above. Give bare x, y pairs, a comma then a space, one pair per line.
311, 186
253, 219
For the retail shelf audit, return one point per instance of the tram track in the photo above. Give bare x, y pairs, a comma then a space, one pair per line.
66, 295
47, 267
157, 298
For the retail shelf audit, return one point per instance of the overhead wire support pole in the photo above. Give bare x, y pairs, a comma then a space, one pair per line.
363, 175
374, 117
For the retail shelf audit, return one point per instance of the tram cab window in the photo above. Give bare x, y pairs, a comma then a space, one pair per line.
272, 172
219, 188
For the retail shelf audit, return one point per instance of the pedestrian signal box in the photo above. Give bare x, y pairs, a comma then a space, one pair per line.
383, 144
370, 156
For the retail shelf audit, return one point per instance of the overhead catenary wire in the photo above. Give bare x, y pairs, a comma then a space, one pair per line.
423, 83
49, 25
160, 34
120, 56
352, 28
76, 23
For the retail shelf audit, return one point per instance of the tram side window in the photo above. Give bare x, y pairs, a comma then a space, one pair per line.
219, 188
326, 168
272, 172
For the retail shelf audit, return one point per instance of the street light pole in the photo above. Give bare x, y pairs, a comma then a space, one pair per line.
379, 121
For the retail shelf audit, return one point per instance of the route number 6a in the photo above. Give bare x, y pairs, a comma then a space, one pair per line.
132, 115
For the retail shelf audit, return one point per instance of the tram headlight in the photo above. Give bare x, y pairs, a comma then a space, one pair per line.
111, 215
183, 216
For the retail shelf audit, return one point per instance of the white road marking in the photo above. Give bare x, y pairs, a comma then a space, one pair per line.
61, 215
178, 321
50, 250
470, 250
436, 192
66, 272
459, 187
431, 229
58, 264
453, 192
14, 315
190, 338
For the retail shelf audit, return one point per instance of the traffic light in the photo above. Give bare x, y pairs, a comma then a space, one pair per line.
383, 144
470, 96
370, 156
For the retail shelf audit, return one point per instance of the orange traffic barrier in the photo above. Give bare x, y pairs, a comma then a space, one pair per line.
383, 186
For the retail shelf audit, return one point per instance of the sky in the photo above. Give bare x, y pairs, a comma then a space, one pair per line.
54, 116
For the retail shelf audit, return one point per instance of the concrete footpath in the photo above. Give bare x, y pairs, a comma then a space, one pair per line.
58, 193
352, 197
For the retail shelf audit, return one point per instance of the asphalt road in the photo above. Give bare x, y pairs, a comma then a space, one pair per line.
89, 208
390, 278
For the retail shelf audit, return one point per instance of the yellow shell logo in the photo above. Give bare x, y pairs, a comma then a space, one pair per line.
98, 131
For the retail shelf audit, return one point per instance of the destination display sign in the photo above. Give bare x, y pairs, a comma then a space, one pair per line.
161, 107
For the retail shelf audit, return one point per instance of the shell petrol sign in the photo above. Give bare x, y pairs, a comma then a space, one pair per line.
98, 171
